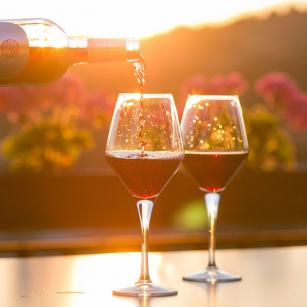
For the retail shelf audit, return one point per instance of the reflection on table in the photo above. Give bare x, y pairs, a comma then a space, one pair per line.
271, 277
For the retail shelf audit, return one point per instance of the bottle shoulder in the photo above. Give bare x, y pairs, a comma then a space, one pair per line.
41, 32
33, 21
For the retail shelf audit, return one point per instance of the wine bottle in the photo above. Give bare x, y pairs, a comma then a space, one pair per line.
34, 51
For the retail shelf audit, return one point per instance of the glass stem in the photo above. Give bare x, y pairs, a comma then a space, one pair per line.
212, 203
145, 209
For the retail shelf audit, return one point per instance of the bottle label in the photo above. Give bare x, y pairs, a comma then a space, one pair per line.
14, 50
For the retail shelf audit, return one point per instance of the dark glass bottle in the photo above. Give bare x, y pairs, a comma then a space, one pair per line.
34, 51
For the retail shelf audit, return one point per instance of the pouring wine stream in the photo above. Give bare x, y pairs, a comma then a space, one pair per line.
139, 72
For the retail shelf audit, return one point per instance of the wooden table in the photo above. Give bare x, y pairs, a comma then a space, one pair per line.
274, 277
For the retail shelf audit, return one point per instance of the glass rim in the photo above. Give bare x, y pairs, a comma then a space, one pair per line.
146, 95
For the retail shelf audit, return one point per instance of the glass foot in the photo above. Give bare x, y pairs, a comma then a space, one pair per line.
145, 289
212, 276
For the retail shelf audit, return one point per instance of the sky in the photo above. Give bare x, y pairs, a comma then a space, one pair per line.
137, 18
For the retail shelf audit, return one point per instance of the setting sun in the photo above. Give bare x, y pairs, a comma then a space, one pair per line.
138, 18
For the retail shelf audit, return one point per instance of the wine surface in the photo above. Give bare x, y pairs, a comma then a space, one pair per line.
213, 170
144, 175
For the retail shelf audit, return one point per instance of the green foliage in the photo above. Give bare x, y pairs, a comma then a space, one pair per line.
45, 145
53, 124
191, 216
270, 146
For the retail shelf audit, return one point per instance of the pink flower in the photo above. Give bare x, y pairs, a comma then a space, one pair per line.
195, 85
296, 113
229, 84
277, 89
97, 109
282, 93
67, 91
20, 103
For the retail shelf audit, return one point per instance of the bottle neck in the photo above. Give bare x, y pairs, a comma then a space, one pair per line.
99, 50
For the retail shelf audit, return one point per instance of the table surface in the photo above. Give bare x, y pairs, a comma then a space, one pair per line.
271, 277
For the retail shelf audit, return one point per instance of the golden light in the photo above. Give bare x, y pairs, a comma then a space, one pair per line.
137, 18
42, 35
122, 270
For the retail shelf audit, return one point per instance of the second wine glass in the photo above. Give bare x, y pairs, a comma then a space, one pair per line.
145, 149
216, 145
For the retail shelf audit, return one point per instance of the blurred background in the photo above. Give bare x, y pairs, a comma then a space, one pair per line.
58, 195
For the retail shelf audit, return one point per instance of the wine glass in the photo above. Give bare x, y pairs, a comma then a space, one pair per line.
145, 149
215, 143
